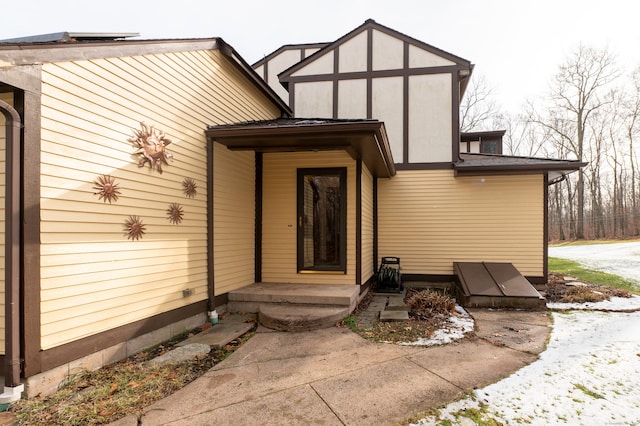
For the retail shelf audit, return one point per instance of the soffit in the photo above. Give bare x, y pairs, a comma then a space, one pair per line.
475, 164
362, 139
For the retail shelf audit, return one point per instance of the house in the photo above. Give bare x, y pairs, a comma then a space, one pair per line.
115, 256
447, 201
148, 182
486, 142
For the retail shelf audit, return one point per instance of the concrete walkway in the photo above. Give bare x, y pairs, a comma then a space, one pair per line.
335, 377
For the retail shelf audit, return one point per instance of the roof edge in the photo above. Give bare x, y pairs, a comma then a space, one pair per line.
370, 23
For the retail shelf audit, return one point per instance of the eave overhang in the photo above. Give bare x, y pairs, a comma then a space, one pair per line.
486, 164
87, 46
362, 139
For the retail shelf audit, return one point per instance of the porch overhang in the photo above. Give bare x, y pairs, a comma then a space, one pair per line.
482, 164
362, 139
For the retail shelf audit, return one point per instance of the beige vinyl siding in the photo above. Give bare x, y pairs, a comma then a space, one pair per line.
8, 98
279, 224
367, 225
234, 219
431, 219
93, 277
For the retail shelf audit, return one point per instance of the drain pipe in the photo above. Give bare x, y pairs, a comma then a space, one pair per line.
12, 387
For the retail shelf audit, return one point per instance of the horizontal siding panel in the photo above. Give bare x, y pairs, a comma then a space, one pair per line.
87, 302
234, 219
55, 333
162, 262
367, 224
93, 277
431, 219
279, 216
106, 255
151, 272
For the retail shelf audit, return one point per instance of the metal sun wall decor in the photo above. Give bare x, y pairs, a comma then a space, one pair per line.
189, 187
175, 213
107, 188
152, 146
134, 228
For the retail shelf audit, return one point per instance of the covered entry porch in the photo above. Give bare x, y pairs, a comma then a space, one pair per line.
315, 210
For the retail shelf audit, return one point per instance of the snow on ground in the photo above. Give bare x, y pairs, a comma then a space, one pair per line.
588, 375
616, 258
455, 328
590, 371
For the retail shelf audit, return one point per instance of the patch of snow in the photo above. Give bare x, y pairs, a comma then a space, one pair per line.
590, 371
587, 375
454, 328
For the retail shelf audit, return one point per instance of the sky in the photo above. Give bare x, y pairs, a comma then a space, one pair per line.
516, 45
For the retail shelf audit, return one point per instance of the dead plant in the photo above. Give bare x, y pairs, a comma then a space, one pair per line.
426, 304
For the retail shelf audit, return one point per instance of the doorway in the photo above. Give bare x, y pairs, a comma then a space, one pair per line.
322, 220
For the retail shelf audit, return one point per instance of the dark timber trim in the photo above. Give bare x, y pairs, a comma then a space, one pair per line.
361, 75
359, 222
28, 104
455, 115
454, 68
335, 83
545, 232
12, 244
265, 72
211, 286
371, 25
302, 48
258, 217
425, 166
30, 53
60, 355
431, 278
343, 175
221, 300
405, 107
375, 224
369, 73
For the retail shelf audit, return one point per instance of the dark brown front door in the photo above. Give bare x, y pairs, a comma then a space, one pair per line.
322, 213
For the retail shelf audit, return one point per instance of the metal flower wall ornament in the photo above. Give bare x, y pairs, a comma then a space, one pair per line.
134, 228
152, 146
175, 213
107, 188
189, 187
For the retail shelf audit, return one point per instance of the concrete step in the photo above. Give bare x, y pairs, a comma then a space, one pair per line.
229, 328
285, 317
250, 298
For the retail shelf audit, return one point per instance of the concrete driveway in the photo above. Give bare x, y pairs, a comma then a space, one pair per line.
335, 377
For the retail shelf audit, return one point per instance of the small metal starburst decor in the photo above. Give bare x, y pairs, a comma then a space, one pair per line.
134, 228
175, 213
107, 188
189, 187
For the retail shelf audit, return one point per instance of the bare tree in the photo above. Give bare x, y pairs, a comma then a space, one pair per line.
521, 137
478, 107
576, 94
631, 115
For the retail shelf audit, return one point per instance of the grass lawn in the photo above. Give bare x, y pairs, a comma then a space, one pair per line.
574, 269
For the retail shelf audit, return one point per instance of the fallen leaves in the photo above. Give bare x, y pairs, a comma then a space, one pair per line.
123, 388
